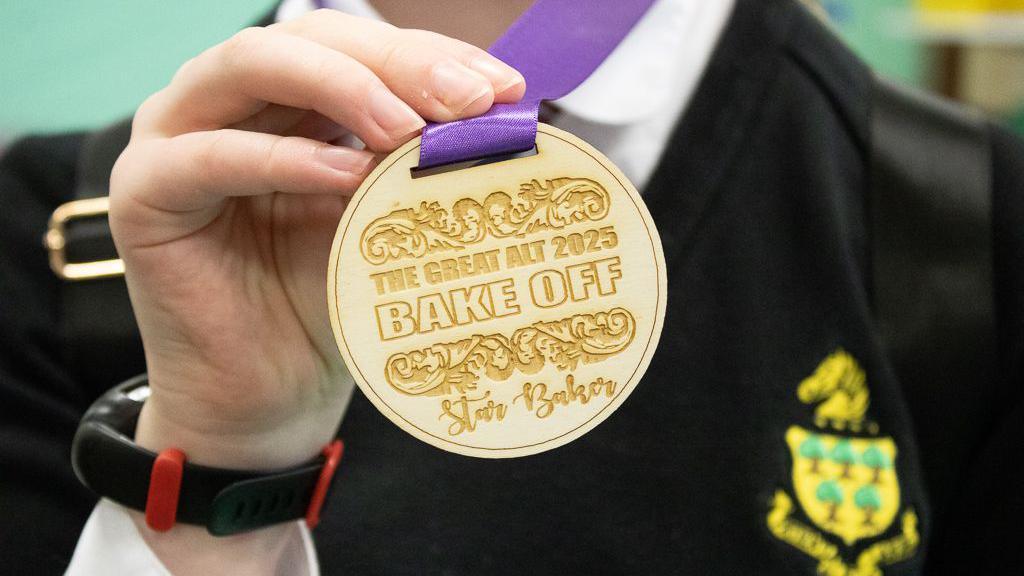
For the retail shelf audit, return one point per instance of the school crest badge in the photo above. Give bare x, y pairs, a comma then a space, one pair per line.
844, 480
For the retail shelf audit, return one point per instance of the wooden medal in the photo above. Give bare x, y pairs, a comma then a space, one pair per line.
502, 309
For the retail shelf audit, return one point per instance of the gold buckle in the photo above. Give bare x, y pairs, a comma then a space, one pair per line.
55, 241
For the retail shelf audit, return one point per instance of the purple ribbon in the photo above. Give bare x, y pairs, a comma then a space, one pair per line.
556, 45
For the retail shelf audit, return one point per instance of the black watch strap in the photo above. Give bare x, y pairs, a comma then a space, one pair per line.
225, 501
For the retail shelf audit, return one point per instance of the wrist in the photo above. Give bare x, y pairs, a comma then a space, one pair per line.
224, 518
190, 549
240, 445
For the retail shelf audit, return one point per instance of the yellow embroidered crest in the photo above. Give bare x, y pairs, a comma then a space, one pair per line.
846, 485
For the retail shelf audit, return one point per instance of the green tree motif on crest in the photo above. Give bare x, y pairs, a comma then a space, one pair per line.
831, 493
843, 454
877, 460
814, 450
867, 499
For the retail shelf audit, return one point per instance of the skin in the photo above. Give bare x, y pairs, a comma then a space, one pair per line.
223, 207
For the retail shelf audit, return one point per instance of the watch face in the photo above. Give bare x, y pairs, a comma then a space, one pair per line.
503, 309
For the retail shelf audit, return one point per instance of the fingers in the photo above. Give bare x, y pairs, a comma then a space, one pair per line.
173, 187
236, 79
373, 79
440, 77
273, 119
277, 119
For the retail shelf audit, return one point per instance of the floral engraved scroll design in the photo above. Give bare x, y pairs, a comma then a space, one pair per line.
414, 232
457, 366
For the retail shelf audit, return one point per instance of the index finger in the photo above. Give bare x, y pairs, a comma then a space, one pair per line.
423, 68
258, 66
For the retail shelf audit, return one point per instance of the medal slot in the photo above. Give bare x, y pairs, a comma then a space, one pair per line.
417, 172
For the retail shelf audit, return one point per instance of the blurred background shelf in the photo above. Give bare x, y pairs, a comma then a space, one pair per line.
965, 28
968, 50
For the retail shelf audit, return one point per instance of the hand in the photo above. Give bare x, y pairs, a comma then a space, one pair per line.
224, 206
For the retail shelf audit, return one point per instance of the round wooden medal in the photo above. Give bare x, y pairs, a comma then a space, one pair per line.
502, 309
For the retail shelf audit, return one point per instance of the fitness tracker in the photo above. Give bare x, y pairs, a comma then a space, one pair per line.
169, 489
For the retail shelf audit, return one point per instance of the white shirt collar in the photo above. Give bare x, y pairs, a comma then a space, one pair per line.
658, 64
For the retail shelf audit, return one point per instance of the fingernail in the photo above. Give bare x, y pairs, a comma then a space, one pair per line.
457, 86
501, 75
395, 117
345, 159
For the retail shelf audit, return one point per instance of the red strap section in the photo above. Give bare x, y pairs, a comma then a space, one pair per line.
333, 453
164, 489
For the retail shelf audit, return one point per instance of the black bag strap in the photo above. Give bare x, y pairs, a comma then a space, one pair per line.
103, 345
930, 208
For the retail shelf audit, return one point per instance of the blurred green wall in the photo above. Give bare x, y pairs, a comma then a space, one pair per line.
67, 64
866, 25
